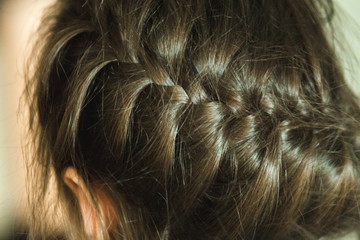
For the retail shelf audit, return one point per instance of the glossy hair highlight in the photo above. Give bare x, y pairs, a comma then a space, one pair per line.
200, 119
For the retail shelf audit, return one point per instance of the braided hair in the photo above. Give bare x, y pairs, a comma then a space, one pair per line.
200, 119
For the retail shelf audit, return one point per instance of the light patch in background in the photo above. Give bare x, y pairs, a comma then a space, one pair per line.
18, 19
5, 168
348, 26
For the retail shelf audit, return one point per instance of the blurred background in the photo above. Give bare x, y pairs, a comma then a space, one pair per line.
18, 21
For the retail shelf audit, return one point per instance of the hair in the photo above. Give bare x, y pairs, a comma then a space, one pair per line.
199, 119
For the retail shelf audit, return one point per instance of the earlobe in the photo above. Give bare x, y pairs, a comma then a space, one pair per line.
71, 178
77, 185
75, 182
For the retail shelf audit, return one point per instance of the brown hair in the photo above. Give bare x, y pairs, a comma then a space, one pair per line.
200, 119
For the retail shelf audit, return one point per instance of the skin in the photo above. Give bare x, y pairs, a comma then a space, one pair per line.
76, 183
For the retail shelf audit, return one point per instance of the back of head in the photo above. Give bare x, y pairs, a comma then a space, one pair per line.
199, 119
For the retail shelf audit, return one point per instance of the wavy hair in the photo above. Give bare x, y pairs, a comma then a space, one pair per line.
199, 119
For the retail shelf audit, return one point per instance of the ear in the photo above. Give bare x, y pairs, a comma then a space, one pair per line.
76, 183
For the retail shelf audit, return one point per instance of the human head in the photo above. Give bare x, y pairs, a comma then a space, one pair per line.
197, 119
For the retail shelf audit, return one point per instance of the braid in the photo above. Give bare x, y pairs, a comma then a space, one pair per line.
203, 119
